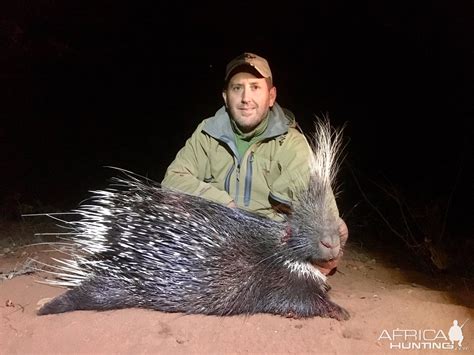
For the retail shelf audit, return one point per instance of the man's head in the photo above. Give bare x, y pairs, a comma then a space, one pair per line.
249, 92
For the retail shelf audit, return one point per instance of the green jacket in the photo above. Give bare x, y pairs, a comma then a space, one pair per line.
270, 172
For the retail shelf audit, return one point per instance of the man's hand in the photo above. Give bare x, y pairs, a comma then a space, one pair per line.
329, 267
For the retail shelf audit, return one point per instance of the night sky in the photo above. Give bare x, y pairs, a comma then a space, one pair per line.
104, 83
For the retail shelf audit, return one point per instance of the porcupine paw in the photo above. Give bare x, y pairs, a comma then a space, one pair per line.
338, 313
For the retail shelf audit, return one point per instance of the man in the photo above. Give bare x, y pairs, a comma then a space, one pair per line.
249, 154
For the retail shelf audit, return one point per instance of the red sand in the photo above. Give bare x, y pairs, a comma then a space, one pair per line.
380, 298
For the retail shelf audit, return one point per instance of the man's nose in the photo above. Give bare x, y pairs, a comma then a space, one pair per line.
245, 95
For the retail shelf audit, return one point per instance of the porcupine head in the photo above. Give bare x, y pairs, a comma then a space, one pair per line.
314, 222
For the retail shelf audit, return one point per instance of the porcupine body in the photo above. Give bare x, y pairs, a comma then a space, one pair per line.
141, 245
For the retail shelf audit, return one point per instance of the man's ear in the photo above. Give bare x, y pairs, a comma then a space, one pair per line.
273, 95
224, 96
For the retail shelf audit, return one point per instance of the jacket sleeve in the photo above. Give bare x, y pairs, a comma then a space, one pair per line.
294, 162
187, 171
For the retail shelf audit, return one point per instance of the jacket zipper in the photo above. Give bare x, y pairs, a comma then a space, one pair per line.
227, 178
248, 180
237, 185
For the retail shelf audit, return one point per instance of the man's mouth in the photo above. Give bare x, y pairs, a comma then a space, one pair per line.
246, 110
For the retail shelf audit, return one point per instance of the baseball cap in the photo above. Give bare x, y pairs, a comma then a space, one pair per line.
249, 59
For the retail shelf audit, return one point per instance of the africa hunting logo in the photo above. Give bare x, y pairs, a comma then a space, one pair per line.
426, 339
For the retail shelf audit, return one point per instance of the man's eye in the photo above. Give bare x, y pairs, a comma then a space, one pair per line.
236, 88
255, 87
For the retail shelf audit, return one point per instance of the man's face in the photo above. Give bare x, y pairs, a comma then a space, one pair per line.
248, 100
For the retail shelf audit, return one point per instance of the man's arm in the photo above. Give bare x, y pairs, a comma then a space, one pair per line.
186, 172
294, 159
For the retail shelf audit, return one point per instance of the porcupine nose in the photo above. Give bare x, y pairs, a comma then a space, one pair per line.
330, 248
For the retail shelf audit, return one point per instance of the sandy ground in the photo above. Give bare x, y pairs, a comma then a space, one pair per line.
391, 308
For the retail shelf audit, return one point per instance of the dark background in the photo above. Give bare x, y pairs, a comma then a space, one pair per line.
106, 83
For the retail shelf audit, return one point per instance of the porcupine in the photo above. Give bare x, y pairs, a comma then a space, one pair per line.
139, 244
